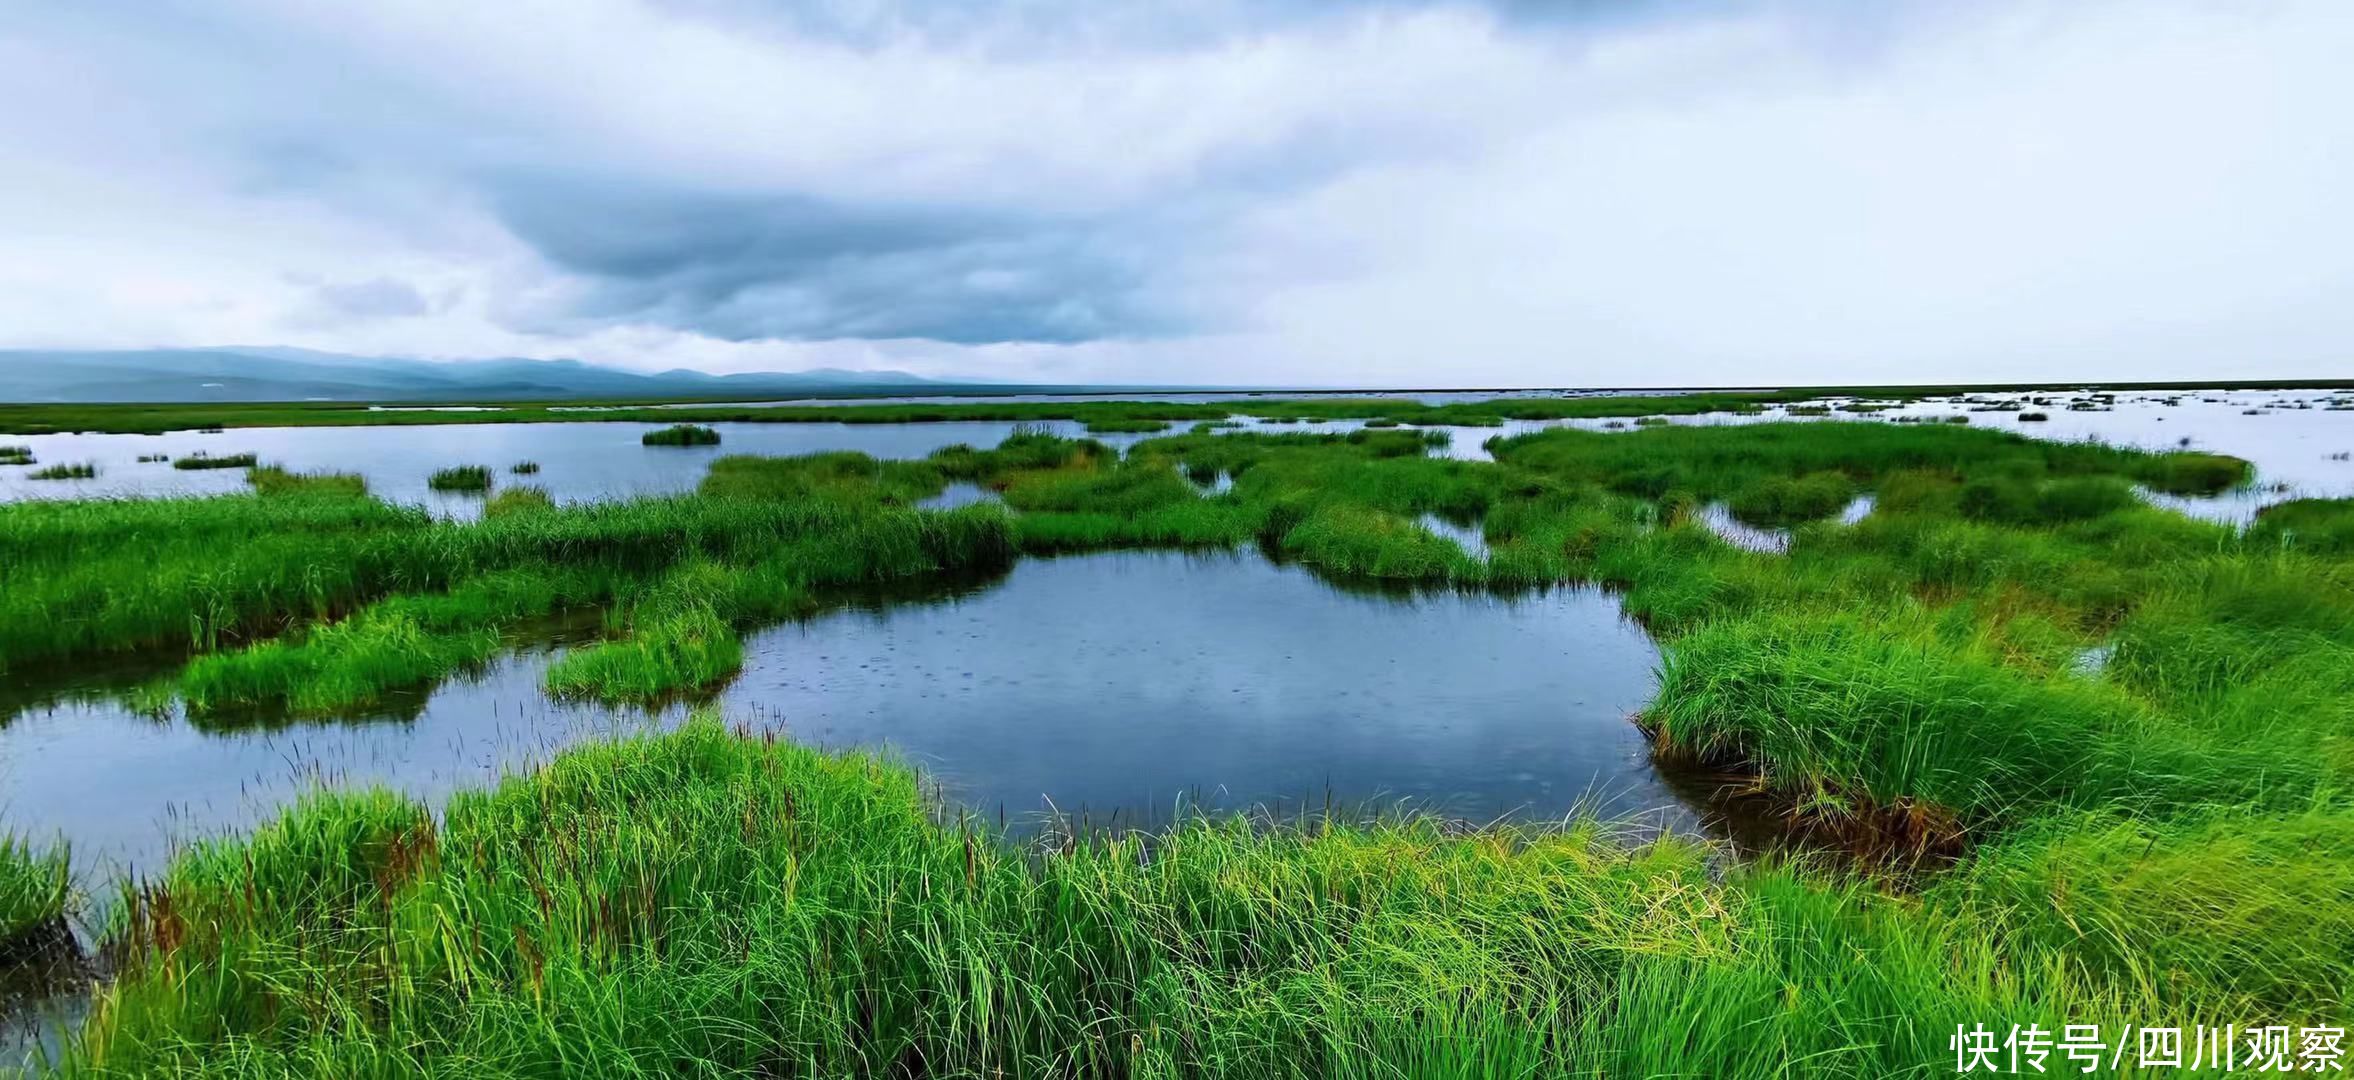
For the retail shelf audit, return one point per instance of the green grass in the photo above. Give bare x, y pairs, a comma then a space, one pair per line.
16, 455
1112, 425
524, 468
471, 478
730, 905
676, 654
274, 480
76, 471
2320, 525
846, 477
438, 597
681, 435
517, 500
34, 886
203, 460
1778, 501
400, 642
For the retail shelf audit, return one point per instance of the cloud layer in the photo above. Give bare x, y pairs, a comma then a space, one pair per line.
1388, 191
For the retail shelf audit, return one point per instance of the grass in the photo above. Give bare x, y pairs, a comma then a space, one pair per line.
396, 643
203, 460
2144, 840
681, 435
34, 886
1778, 501
16, 455
524, 468
517, 500
1114, 425
2319, 525
682, 653
75, 471
274, 480
470, 478
429, 600
737, 906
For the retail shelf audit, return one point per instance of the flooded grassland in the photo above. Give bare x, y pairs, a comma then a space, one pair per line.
1385, 698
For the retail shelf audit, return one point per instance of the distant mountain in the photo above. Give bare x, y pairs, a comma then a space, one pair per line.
269, 373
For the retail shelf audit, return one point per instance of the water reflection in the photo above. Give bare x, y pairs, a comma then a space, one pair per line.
1127, 682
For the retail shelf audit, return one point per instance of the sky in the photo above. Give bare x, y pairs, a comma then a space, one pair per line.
1296, 192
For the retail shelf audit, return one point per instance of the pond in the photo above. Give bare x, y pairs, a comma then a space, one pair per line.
1130, 683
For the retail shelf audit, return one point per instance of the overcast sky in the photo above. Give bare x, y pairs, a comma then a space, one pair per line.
1381, 192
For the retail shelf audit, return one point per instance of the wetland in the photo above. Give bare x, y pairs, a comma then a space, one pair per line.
1353, 738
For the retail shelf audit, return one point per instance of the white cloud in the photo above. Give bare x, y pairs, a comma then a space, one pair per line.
1391, 193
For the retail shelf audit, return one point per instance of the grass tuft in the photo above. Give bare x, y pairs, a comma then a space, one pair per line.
470, 478
681, 435
203, 460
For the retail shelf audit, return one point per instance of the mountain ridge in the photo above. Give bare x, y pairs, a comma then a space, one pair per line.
275, 373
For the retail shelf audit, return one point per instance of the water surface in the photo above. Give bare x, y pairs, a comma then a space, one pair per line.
1128, 682
2293, 438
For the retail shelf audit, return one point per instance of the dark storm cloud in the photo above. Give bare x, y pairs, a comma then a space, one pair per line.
747, 267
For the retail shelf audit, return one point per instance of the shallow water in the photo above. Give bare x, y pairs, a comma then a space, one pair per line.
1125, 682
1718, 518
1469, 536
578, 462
2291, 446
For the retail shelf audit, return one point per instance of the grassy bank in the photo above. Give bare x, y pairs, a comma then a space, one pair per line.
34, 885
737, 906
2121, 737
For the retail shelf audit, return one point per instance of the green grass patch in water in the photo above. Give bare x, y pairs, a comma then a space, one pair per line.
681, 435
462, 478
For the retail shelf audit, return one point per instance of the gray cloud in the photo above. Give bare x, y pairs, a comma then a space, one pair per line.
379, 298
744, 267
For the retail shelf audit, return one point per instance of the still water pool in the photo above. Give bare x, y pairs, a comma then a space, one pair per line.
1131, 683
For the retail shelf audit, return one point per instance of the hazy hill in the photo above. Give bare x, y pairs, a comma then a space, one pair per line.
241, 373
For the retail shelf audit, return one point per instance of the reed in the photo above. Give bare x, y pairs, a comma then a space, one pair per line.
75, 471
